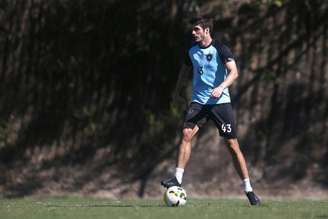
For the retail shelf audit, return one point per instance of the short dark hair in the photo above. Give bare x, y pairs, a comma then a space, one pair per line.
203, 22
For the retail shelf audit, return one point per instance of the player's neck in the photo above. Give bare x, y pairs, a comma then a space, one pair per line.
206, 42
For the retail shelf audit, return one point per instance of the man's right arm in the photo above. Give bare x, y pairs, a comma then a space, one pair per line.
178, 95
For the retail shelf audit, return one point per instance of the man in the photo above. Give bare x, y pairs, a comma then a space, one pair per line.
214, 70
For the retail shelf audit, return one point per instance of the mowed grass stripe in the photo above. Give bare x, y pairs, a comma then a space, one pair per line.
92, 208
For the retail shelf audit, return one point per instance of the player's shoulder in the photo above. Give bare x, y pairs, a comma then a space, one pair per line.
193, 46
223, 51
220, 45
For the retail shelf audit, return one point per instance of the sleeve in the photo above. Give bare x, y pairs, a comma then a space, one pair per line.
187, 60
227, 55
224, 52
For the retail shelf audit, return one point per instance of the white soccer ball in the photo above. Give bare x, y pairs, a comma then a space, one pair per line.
175, 196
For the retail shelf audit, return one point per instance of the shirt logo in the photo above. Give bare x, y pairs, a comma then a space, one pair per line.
209, 57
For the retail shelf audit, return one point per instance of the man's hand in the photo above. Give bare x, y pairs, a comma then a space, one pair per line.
232, 76
217, 92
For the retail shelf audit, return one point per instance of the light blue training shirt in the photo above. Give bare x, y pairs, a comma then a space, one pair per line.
209, 71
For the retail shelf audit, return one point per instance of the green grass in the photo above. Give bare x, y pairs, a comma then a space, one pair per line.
80, 208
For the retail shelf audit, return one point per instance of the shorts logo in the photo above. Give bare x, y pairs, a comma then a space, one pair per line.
226, 128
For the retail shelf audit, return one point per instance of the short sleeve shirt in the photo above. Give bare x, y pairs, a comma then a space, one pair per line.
209, 71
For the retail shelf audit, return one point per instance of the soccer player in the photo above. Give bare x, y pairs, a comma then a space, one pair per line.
214, 70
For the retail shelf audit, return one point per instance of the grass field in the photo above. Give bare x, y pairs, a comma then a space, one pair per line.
80, 208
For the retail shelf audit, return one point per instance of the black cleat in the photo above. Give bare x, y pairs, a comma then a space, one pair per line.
167, 183
252, 198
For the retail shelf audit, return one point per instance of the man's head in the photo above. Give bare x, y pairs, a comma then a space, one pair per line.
201, 29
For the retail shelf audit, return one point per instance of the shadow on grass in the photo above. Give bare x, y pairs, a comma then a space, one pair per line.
325, 216
107, 205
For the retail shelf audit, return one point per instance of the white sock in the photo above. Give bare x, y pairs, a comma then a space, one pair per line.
179, 174
247, 185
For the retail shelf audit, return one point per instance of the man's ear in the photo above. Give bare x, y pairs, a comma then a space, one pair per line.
207, 30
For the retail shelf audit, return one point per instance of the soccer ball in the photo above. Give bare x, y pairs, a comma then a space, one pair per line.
175, 196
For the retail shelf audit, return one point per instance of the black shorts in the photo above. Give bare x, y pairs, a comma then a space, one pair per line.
220, 114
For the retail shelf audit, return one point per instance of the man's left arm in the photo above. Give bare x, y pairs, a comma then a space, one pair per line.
232, 76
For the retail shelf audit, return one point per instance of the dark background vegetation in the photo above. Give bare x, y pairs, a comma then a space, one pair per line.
87, 101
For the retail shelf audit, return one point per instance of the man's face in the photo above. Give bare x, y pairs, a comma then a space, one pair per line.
199, 34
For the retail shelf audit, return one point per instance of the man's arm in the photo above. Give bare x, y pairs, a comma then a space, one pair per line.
232, 76
183, 77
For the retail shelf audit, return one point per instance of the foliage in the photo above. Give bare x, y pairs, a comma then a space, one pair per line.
85, 81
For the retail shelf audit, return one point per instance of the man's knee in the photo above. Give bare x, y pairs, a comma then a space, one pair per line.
187, 134
233, 144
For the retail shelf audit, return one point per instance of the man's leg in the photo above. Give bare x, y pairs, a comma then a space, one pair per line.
183, 157
238, 158
241, 168
185, 146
